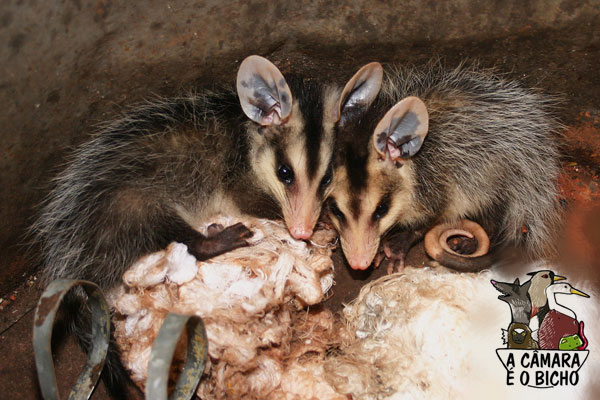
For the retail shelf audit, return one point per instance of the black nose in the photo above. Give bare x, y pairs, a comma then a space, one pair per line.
519, 339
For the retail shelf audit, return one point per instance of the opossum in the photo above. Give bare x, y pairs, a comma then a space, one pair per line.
441, 145
151, 177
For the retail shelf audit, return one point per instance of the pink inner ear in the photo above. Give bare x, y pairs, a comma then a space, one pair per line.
393, 151
271, 118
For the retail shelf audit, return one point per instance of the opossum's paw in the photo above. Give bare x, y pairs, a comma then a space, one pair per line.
396, 258
213, 229
219, 240
396, 247
390, 257
380, 258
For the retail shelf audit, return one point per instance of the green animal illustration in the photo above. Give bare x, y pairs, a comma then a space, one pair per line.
570, 342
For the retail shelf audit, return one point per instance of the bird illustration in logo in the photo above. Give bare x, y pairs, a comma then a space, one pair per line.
561, 322
538, 321
536, 290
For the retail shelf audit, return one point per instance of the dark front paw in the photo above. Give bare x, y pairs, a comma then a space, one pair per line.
395, 248
219, 240
391, 254
395, 255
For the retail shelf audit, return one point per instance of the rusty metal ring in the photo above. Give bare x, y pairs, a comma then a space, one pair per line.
162, 356
45, 313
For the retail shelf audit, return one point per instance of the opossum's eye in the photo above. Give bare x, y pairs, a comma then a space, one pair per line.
326, 181
285, 174
335, 210
380, 211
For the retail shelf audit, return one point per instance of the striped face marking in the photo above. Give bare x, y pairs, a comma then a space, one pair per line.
370, 196
375, 185
293, 160
362, 207
291, 154
291, 140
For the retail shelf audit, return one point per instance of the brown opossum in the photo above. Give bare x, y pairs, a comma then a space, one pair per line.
441, 145
149, 178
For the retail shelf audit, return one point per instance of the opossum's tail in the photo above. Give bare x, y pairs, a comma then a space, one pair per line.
437, 247
114, 375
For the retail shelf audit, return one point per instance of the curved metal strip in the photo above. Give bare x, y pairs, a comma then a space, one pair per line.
162, 356
45, 314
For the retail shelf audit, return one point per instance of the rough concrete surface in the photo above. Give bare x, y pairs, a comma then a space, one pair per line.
65, 66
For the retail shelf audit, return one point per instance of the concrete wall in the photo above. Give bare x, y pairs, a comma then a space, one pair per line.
66, 65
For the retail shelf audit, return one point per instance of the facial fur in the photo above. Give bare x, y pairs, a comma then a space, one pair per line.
370, 195
292, 160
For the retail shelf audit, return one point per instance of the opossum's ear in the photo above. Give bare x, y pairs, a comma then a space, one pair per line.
400, 133
264, 94
360, 91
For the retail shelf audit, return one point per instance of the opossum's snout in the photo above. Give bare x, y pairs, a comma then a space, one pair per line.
306, 201
300, 232
360, 248
303, 216
359, 237
300, 192
359, 261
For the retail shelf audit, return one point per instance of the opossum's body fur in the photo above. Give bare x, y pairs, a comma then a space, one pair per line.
120, 196
145, 179
489, 155
120, 193
148, 178
492, 145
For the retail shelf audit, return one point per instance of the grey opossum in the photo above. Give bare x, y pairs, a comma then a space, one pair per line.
441, 145
149, 178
